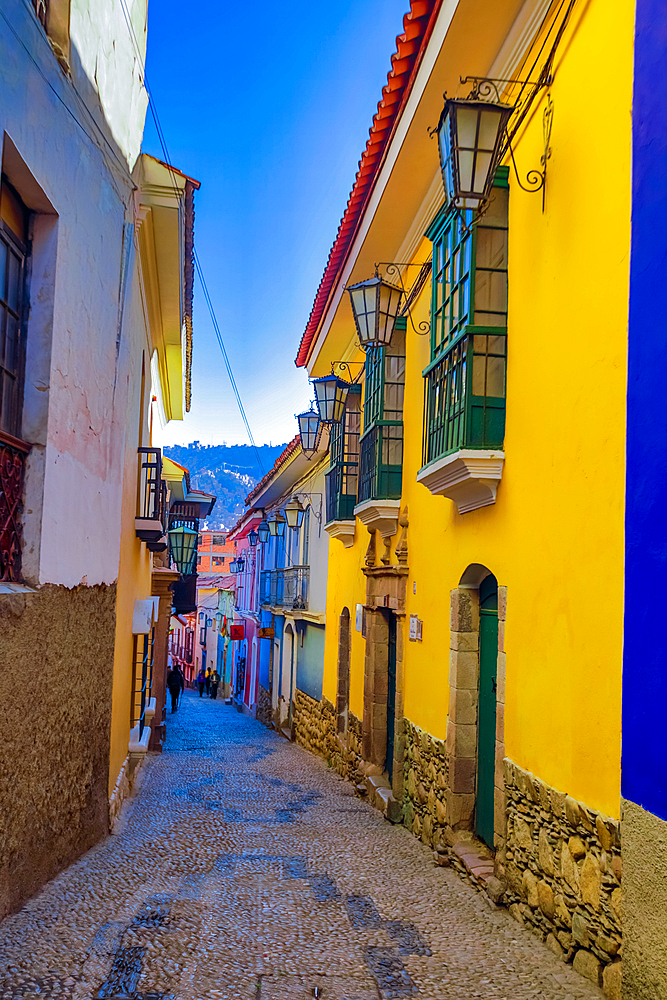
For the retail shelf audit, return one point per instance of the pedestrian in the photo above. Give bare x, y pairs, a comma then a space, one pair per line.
174, 678
208, 681
201, 681
181, 680
215, 680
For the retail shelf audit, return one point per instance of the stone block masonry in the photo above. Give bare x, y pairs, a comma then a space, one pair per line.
562, 867
315, 729
264, 708
55, 692
425, 784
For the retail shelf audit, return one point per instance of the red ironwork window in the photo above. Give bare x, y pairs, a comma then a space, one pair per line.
12, 262
13, 451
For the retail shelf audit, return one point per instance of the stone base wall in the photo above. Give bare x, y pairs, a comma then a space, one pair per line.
347, 759
315, 725
120, 793
264, 708
561, 864
56, 672
315, 729
426, 785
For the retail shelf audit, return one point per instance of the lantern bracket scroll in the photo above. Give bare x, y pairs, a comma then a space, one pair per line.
410, 294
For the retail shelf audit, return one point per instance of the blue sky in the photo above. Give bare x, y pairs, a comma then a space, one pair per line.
269, 106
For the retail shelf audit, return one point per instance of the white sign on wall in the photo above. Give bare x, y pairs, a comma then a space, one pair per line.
415, 629
359, 618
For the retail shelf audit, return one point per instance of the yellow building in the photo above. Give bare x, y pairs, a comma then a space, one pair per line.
158, 317
475, 498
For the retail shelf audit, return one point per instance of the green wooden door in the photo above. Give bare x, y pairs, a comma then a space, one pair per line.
391, 696
486, 725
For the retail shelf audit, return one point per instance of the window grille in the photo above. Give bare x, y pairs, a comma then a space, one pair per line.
142, 679
464, 404
343, 476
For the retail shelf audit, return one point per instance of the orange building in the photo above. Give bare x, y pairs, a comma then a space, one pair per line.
214, 552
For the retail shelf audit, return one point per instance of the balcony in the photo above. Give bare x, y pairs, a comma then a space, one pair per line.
340, 504
13, 454
380, 474
285, 588
150, 522
464, 419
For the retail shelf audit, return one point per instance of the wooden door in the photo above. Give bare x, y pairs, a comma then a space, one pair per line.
486, 724
391, 696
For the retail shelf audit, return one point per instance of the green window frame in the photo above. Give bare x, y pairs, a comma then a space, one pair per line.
381, 452
465, 382
343, 476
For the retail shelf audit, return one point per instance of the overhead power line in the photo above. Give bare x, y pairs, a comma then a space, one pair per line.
200, 272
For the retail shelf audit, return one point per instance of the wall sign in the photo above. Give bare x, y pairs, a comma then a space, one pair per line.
237, 630
359, 618
415, 629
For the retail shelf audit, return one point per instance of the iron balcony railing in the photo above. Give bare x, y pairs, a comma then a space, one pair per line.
151, 519
285, 588
13, 454
464, 394
381, 462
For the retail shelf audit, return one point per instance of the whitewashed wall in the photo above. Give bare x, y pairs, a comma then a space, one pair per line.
69, 147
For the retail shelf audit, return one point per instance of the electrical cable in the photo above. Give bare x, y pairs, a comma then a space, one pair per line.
200, 272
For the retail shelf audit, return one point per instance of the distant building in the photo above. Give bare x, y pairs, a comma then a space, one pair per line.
214, 552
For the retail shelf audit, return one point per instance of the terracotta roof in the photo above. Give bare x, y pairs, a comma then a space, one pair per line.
417, 27
282, 458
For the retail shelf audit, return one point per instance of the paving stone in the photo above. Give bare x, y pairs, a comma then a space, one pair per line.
247, 869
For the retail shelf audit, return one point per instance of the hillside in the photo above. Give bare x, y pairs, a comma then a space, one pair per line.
227, 471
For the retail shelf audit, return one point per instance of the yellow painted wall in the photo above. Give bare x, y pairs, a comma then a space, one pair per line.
555, 536
134, 581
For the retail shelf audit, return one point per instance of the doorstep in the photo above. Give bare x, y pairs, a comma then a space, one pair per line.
472, 858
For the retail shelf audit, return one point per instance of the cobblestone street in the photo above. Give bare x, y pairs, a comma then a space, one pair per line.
246, 868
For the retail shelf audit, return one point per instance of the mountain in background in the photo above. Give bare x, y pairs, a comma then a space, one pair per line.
228, 471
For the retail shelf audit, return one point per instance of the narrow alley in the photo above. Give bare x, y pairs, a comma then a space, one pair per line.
244, 867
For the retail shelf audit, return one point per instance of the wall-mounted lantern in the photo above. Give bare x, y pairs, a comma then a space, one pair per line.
294, 513
277, 525
183, 547
253, 538
375, 306
310, 428
470, 134
263, 531
330, 395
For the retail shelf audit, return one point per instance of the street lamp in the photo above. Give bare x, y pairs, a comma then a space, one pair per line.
183, 547
330, 395
375, 305
309, 431
470, 133
277, 525
294, 513
263, 530
253, 538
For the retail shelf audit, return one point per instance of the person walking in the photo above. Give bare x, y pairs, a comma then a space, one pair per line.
174, 679
215, 680
208, 681
181, 680
201, 681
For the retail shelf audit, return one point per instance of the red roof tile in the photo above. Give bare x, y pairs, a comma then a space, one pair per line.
417, 26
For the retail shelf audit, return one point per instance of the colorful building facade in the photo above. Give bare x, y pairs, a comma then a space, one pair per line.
214, 552
475, 497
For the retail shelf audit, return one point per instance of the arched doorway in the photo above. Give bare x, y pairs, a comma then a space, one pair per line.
343, 692
286, 675
486, 716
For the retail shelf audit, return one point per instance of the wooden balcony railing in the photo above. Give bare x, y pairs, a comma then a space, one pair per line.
464, 405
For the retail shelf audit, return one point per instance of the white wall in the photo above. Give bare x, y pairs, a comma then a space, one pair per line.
81, 364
